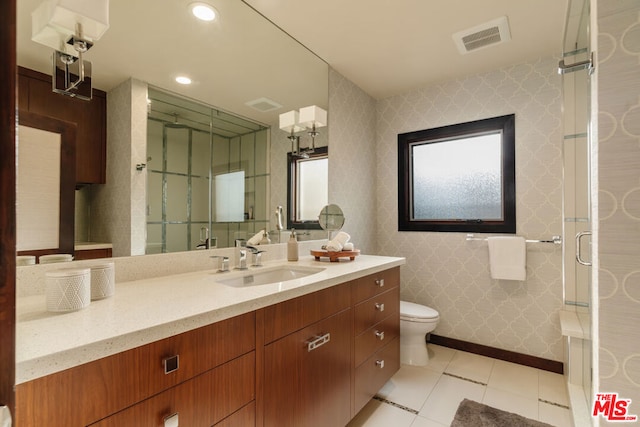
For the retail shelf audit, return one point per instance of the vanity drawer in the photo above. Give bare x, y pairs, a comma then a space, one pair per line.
244, 417
376, 337
108, 385
374, 284
199, 402
373, 310
375, 372
289, 316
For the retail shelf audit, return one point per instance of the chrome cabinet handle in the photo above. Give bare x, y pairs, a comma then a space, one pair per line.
171, 364
380, 283
319, 341
380, 363
578, 247
379, 306
171, 420
380, 335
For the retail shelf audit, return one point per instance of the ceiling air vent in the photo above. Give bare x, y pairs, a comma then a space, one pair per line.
484, 35
263, 104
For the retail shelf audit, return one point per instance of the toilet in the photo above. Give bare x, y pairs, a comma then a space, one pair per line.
416, 321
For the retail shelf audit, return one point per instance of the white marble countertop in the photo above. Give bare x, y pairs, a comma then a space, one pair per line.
147, 310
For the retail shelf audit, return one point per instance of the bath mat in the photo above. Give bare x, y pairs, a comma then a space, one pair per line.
474, 414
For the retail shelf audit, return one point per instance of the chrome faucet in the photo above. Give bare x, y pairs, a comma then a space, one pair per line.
257, 255
223, 263
242, 259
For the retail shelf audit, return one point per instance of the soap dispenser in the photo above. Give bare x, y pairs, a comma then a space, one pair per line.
292, 247
265, 239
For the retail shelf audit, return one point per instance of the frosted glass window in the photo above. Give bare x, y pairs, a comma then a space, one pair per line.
312, 187
458, 177
307, 189
230, 197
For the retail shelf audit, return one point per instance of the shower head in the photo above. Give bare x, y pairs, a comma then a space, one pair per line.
175, 124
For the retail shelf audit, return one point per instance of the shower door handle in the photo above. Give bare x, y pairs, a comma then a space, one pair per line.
578, 247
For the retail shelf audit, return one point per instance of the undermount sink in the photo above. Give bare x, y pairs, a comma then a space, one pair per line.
270, 275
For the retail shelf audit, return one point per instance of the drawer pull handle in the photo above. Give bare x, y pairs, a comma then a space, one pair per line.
380, 335
379, 306
171, 364
380, 283
319, 341
380, 363
171, 420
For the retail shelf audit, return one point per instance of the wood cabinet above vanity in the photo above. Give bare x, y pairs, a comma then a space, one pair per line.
312, 359
90, 117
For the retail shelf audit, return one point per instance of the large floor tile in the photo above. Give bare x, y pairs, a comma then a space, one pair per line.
510, 402
514, 378
443, 401
552, 388
424, 422
379, 414
554, 415
410, 386
439, 357
470, 366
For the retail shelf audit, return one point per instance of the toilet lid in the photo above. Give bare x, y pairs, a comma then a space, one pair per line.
416, 311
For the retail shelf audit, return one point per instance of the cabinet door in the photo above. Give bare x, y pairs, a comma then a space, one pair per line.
307, 375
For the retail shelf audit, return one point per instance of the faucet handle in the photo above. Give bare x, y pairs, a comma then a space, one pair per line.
257, 258
223, 263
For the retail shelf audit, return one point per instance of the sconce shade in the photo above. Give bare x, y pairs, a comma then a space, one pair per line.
313, 116
54, 21
289, 122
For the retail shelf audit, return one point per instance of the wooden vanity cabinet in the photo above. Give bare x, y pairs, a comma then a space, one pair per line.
307, 360
90, 117
91, 392
376, 301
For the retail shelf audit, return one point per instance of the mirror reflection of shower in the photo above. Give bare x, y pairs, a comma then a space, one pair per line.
206, 169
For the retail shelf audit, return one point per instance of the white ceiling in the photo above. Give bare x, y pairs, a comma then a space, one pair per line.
391, 47
385, 47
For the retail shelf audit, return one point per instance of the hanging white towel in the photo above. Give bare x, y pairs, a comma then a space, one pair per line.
507, 257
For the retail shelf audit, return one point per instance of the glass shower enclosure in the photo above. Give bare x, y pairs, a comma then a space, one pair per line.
208, 177
576, 68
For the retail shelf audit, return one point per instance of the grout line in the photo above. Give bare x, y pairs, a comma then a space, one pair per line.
554, 403
463, 378
397, 405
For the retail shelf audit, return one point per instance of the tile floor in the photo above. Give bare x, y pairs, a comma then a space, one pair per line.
429, 396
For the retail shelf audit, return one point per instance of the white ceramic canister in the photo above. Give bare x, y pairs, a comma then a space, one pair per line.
25, 260
68, 289
103, 281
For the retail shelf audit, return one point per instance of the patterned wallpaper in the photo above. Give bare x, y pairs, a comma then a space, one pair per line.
451, 275
618, 240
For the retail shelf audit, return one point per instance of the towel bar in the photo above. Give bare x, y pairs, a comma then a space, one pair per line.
556, 240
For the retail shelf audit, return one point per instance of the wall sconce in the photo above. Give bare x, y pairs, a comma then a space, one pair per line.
70, 27
309, 118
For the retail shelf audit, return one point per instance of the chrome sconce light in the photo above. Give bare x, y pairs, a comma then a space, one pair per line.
308, 118
70, 27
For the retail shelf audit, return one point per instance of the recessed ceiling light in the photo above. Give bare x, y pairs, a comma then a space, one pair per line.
183, 80
203, 11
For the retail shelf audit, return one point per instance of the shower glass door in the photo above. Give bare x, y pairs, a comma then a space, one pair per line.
576, 69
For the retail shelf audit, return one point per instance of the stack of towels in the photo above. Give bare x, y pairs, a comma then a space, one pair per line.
340, 243
256, 239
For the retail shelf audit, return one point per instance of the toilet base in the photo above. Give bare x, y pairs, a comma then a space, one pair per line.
415, 354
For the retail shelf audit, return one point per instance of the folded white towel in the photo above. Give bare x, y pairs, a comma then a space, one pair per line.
255, 240
338, 242
507, 257
349, 246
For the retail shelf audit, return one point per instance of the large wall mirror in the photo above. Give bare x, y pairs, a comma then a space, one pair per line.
240, 64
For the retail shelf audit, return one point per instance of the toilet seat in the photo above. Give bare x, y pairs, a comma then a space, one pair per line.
417, 313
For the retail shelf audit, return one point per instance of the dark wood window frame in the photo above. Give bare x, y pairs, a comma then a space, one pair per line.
504, 124
292, 191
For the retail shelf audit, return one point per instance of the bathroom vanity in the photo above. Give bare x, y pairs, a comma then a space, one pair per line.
185, 350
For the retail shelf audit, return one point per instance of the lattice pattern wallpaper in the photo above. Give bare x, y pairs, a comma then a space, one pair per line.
619, 198
451, 275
